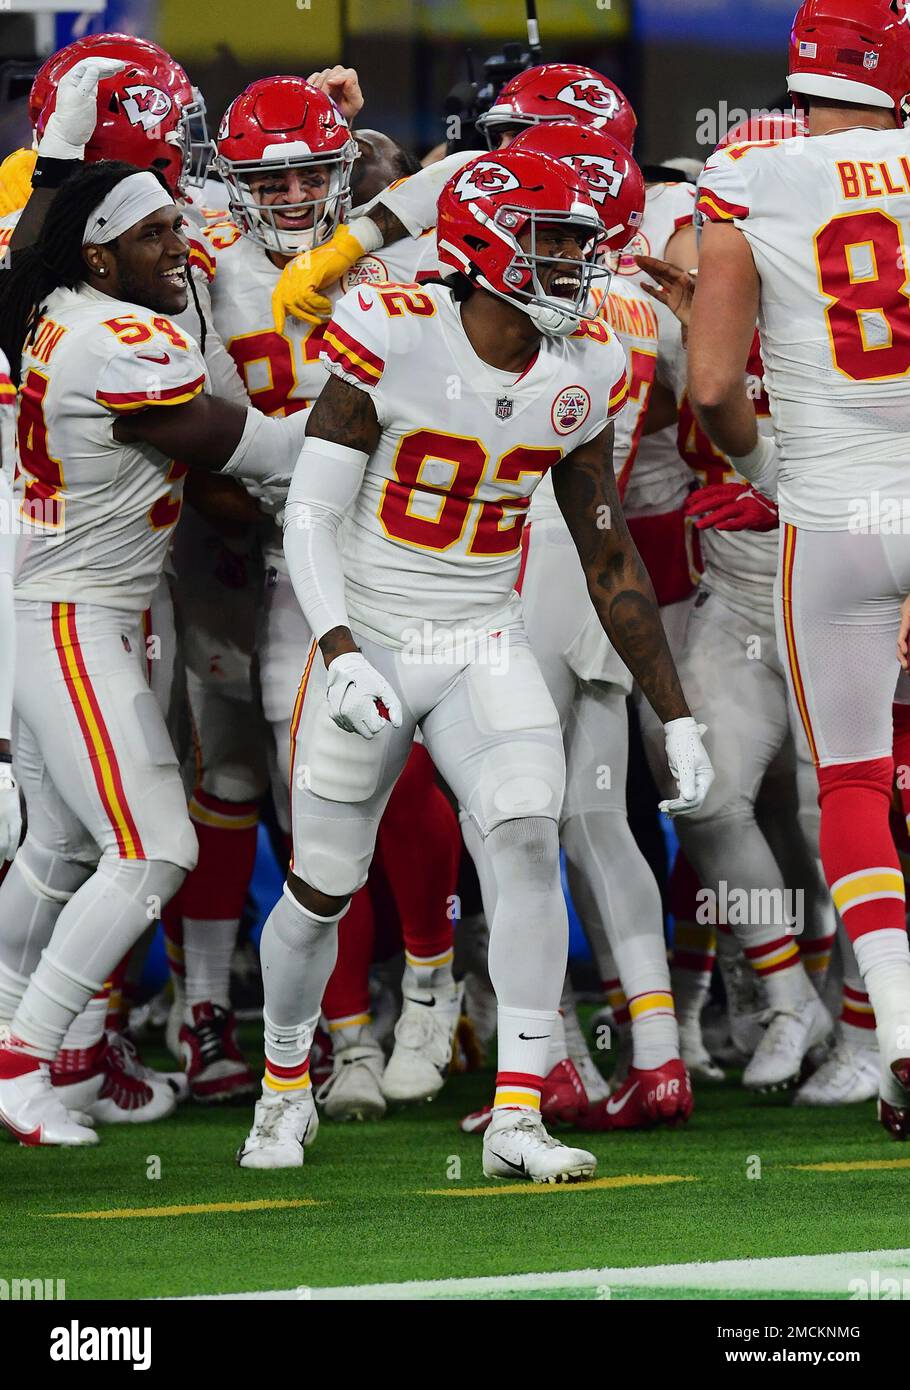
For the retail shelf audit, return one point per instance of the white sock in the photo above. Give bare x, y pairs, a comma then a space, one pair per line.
208, 948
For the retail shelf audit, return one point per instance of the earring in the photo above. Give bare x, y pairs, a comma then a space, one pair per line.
101, 270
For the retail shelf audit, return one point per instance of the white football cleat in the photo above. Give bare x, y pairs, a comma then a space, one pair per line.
354, 1089
696, 1056
424, 1034
516, 1145
284, 1122
848, 1075
778, 1058
35, 1115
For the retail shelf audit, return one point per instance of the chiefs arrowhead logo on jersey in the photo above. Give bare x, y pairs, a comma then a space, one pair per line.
146, 106
484, 177
599, 173
570, 409
591, 95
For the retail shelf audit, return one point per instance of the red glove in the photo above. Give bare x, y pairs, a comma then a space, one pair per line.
732, 507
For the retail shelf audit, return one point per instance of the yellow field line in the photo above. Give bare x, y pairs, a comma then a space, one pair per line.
527, 1189
124, 1213
862, 1165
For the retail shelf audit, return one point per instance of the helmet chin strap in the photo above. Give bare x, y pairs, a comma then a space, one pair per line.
552, 317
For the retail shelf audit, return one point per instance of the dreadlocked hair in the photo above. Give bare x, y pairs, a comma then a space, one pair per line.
55, 260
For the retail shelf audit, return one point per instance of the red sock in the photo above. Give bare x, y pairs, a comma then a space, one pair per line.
419, 845
857, 849
227, 832
347, 995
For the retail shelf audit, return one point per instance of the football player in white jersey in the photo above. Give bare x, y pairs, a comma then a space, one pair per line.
806, 235
431, 555
88, 114
111, 392
612, 886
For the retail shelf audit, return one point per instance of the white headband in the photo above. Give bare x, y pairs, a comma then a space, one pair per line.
127, 203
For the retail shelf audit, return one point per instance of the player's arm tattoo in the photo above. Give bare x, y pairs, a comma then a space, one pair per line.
343, 414
618, 582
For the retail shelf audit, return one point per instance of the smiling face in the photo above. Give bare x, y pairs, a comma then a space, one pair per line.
567, 246
147, 264
295, 191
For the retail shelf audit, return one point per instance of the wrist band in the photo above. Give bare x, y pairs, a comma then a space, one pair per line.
51, 173
6, 757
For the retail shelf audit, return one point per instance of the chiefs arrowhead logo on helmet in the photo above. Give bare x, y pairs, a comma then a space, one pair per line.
145, 105
601, 175
483, 177
591, 95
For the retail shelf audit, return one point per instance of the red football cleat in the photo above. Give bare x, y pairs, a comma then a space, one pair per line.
661, 1096
215, 1067
562, 1096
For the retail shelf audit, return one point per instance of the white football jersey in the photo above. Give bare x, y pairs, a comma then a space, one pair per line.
826, 218
99, 514
435, 532
660, 480
631, 314
740, 566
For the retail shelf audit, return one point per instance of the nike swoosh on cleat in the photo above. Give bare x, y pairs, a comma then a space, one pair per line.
533, 1037
518, 1167
613, 1109
427, 1003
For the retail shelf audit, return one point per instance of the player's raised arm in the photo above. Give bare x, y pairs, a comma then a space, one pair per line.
624, 600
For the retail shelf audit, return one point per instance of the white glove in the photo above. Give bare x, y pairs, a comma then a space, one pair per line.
73, 119
361, 701
10, 813
690, 766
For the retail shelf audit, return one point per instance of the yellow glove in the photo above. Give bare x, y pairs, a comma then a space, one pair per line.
297, 291
16, 180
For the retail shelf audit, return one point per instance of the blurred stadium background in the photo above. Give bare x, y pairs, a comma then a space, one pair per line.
675, 58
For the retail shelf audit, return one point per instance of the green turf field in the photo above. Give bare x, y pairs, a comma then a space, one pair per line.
406, 1200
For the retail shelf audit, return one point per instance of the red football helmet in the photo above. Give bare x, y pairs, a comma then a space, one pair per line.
279, 124
137, 121
856, 51
491, 203
560, 92
613, 179
166, 74
773, 126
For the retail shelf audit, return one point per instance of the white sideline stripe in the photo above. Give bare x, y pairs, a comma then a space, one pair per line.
790, 1274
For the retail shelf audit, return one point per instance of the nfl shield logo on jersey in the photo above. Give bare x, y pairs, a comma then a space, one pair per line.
504, 408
